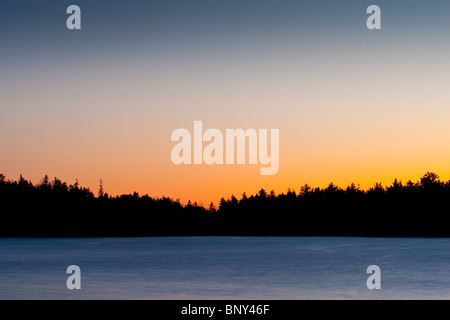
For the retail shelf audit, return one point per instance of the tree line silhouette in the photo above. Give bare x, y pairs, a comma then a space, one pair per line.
56, 209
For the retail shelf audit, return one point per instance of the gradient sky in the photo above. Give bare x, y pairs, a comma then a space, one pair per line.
352, 105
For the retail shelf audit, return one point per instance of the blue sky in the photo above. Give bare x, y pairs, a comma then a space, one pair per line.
352, 105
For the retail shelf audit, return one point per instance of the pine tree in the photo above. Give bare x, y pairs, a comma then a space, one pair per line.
100, 189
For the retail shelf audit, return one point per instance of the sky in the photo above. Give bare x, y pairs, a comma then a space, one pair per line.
351, 104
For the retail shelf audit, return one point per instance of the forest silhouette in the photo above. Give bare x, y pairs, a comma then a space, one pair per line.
56, 209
